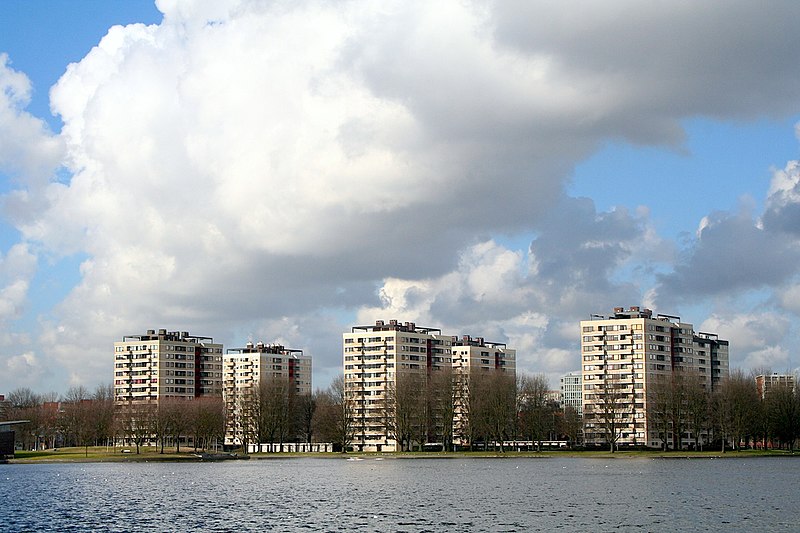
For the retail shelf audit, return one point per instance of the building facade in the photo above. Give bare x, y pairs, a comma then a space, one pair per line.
246, 369
470, 357
159, 365
625, 357
382, 359
767, 382
571, 386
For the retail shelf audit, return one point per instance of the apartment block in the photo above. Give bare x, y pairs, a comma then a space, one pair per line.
161, 365
246, 369
571, 386
377, 357
625, 355
767, 382
471, 356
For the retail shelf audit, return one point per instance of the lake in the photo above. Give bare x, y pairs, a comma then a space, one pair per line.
453, 494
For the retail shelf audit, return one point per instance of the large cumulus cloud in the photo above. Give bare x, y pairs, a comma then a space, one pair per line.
247, 161
533, 300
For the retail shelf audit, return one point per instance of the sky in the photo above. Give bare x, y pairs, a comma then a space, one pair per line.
281, 171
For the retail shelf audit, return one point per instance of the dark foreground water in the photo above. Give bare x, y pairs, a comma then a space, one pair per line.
760, 494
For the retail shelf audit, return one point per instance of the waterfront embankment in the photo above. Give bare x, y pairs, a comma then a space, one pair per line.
153, 454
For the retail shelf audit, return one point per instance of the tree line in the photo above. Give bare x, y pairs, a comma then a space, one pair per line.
89, 418
687, 414
448, 410
417, 413
443, 411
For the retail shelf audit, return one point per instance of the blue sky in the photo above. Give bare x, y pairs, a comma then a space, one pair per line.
252, 173
42, 38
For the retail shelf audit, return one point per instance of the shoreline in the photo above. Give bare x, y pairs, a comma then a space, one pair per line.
99, 455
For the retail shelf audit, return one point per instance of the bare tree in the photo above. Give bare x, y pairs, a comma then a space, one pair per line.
735, 405
697, 408
571, 425
502, 407
614, 411
325, 417
492, 406
668, 400
303, 416
23, 397
160, 421
536, 415
135, 422
207, 421
405, 409
783, 414
78, 420
272, 406
659, 403
176, 412
441, 398
345, 410
103, 407
474, 420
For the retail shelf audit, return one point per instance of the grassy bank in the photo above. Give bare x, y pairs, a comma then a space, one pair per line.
150, 454
101, 454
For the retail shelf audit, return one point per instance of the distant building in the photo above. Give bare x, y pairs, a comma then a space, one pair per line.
767, 382
246, 369
571, 386
624, 355
5, 408
554, 398
159, 365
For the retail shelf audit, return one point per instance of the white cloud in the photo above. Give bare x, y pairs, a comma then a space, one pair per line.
493, 293
245, 162
28, 150
17, 269
756, 338
27, 369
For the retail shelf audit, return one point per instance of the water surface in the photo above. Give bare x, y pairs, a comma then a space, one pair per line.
454, 494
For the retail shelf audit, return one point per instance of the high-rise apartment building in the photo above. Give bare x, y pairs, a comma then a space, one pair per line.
247, 370
571, 386
161, 365
625, 355
471, 356
379, 357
